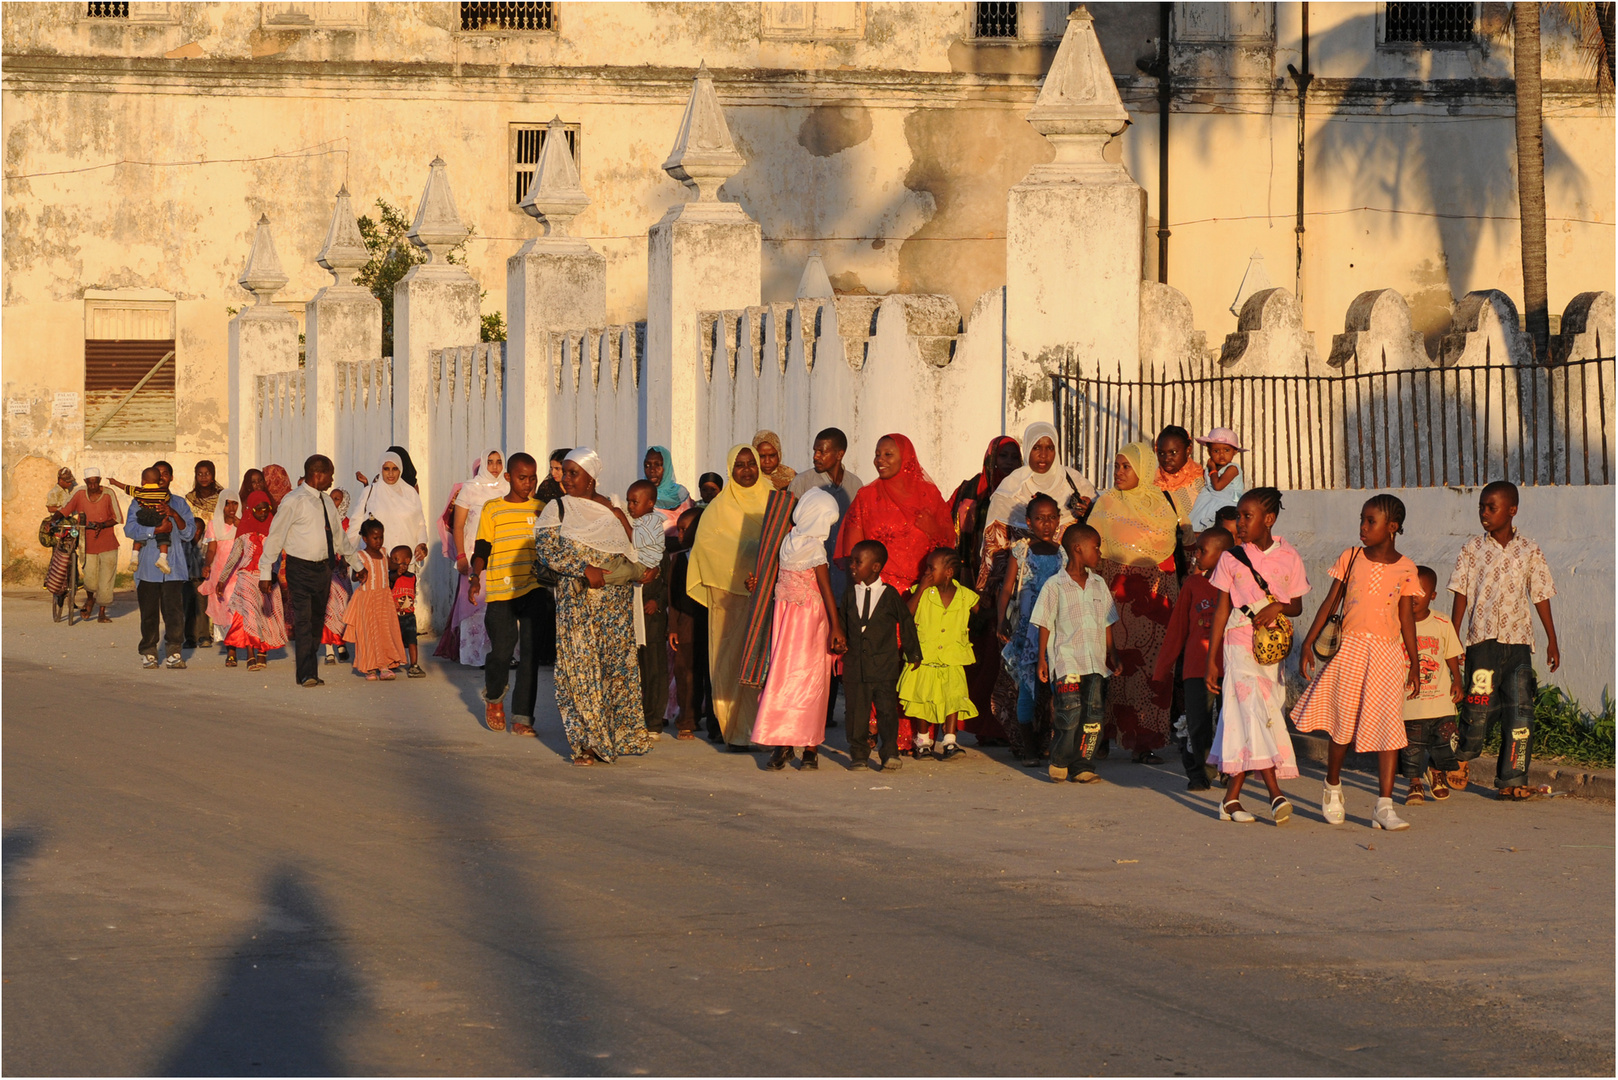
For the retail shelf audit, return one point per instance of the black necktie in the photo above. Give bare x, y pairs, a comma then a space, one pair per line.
865, 611
331, 549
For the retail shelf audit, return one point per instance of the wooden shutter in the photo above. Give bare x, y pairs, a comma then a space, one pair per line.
112, 367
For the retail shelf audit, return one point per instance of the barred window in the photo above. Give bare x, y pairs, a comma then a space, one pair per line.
503, 16
995, 21
527, 140
1430, 24
106, 11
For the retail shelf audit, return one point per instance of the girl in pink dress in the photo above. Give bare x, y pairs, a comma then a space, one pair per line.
807, 633
1360, 695
1258, 582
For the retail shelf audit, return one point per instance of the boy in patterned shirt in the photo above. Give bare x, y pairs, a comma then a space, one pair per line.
1500, 575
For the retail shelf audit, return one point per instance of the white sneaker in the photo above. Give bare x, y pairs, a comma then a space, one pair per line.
1385, 818
162, 562
1331, 804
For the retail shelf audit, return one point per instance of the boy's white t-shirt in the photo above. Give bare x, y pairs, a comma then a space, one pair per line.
1437, 644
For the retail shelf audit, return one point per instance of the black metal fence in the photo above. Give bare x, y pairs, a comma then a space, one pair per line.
1419, 427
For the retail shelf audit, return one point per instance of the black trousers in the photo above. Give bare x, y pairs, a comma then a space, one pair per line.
308, 589
197, 627
1433, 738
1081, 708
858, 698
545, 628
513, 625
654, 670
165, 600
1500, 689
1201, 713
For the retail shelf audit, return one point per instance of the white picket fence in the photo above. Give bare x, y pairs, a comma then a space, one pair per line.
286, 427
364, 416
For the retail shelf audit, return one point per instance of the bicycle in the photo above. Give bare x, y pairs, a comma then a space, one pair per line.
66, 573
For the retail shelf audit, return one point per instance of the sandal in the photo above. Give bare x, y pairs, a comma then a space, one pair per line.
951, 752
1238, 814
1523, 793
386, 675
582, 760
1458, 778
256, 663
520, 728
371, 676
494, 715
686, 735
230, 659
1435, 781
1416, 795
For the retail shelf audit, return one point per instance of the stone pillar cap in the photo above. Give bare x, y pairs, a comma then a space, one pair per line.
345, 250
1078, 105
263, 275
704, 154
438, 226
555, 195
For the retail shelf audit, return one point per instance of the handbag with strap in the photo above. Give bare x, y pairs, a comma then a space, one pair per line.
1182, 562
1331, 635
1272, 643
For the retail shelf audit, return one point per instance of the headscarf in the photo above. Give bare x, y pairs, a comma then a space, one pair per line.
586, 521
725, 550
204, 503
783, 474
813, 519
886, 510
397, 506
669, 493
277, 483
483, 487
1138, 527
1010, 502
247, 523
407, 468
65, 473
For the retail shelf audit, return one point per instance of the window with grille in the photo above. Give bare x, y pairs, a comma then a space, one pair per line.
106, 11
128, 385
995, 21
527, 140
521, 16
1429, 24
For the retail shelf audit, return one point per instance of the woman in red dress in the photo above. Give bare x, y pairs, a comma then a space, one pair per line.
902, 510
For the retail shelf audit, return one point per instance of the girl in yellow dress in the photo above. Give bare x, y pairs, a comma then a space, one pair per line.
933, 692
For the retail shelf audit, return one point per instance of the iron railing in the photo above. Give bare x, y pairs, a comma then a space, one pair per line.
1419, 427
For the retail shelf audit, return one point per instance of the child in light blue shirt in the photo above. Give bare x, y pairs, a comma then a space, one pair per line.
1224, 486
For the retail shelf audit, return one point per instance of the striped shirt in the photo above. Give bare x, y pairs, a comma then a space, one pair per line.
508, 528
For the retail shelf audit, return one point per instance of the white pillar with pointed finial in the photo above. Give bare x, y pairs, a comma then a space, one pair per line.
342, 324
263, 338
435, 306
704, 254
554, 282
1073, 236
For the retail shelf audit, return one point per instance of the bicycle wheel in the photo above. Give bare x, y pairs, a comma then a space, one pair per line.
73, 587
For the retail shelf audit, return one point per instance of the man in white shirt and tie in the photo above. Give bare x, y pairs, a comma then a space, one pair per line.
308, 529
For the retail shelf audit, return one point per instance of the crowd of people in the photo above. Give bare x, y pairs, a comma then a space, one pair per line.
1028, 609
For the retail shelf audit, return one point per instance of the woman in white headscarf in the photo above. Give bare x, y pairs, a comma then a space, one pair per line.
585, 540
465, 638
806, 633
396, 505
1041, 475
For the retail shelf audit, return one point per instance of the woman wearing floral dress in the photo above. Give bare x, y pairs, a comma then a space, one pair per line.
582, 537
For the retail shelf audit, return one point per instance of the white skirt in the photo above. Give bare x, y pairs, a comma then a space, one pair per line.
1252, 731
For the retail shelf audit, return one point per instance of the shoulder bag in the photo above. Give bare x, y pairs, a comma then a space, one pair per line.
1182, 562
1272, 643
1331, 635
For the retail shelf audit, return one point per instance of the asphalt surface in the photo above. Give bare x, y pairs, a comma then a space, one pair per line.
213, 871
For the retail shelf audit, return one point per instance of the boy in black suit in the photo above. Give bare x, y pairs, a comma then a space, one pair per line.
879, 625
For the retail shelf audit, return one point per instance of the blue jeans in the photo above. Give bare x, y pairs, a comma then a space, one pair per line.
1080, 711
1500, 689
1026, 689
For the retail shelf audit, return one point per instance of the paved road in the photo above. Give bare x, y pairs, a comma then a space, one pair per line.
212, 871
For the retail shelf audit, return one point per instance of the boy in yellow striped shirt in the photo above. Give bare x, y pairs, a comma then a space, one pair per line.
505, 549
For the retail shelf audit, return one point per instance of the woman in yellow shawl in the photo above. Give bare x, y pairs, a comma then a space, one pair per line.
1139, 527
723, 554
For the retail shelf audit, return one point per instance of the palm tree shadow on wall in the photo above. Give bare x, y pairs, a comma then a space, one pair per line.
1425, 167
280, 1002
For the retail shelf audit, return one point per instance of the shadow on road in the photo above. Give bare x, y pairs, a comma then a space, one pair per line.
16, 847
282, 998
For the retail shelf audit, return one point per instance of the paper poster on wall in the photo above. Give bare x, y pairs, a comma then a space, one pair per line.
22, 428
14, 406
65, 406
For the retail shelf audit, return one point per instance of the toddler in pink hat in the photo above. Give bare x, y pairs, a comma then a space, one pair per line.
1225, 486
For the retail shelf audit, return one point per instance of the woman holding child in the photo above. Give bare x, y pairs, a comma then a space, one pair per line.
583, 538
1140, 532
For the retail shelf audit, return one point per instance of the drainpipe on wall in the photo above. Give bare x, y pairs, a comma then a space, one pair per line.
1160, 70
1302, 79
